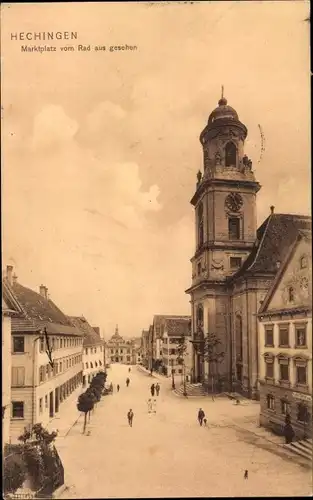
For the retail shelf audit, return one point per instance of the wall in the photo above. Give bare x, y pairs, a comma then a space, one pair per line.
6, 376
92, 354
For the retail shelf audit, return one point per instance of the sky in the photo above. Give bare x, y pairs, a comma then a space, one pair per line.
100, 149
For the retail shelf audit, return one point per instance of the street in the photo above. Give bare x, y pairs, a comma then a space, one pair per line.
168, 454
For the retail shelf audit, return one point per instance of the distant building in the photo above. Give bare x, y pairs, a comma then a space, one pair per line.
174, 330
118, 350
10, 308
285, 343
93, 348
38, 387
144, 347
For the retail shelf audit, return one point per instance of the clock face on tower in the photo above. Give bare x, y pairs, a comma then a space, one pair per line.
234, 202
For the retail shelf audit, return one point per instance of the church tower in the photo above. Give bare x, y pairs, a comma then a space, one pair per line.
225, 226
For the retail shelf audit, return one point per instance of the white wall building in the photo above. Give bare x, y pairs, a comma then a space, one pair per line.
38, 388
174, 330
10, 308
93, 349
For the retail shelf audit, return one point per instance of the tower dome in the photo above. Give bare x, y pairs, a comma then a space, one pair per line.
223, 112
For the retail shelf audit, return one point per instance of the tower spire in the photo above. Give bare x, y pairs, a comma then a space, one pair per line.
222, 96
222, 101
116, 330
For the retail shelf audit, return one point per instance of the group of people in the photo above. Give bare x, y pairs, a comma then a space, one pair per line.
155, 388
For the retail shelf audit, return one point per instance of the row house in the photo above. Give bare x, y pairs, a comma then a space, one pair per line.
176, 330
144, 347
10, 308
93, 348
285, 343
119, 350
155, 340
41, 383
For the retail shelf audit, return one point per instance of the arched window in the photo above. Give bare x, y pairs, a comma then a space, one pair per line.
91, 365
87, 365
200, 225
230, 154
239, 338
303, 262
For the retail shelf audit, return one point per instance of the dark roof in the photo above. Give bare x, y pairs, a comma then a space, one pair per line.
159, 322
176, 327
39, 313
91, 337
14, 308
274, 238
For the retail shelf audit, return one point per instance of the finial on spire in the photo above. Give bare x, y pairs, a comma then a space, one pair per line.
222, 101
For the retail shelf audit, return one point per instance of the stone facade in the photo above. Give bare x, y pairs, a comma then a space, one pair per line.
234, 263
118, 350
285, 344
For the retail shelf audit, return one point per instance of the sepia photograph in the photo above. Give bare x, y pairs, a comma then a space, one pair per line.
156, 249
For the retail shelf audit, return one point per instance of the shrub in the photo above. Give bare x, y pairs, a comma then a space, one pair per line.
14, 474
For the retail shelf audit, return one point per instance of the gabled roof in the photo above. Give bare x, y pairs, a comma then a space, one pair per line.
91, 337
176, 327
159, 322
39, 313
274, 238
302, 235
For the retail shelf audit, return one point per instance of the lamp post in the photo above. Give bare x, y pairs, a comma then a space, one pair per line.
173, 380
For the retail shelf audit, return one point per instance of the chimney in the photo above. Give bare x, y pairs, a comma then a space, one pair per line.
9, 274
43, 291
14, 279
272, 209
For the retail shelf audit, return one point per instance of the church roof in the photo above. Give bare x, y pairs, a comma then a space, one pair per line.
223, 112
91, 337
274, 238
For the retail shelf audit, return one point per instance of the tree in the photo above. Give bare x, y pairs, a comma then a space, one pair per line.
181, 354
213, 354
85, 404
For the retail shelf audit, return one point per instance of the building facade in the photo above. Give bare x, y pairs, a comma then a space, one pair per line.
10, 308
93, 348
41, 382
118, 350
234, 263
285, 339
155, 340
174, 330
144, 348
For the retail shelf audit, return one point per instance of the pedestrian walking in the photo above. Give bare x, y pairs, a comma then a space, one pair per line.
152, 389
154, 404
289, 433
149, 403
201, 416
111, 388
245, 474
205, 422
127, 382
118, 387
129, 370
130, 416
157, 388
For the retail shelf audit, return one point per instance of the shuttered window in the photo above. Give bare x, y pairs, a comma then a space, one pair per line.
18, 375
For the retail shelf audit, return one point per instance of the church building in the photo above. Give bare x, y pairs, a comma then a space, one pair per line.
235, 262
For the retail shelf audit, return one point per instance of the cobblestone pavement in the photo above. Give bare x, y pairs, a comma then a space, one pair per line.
168, 454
